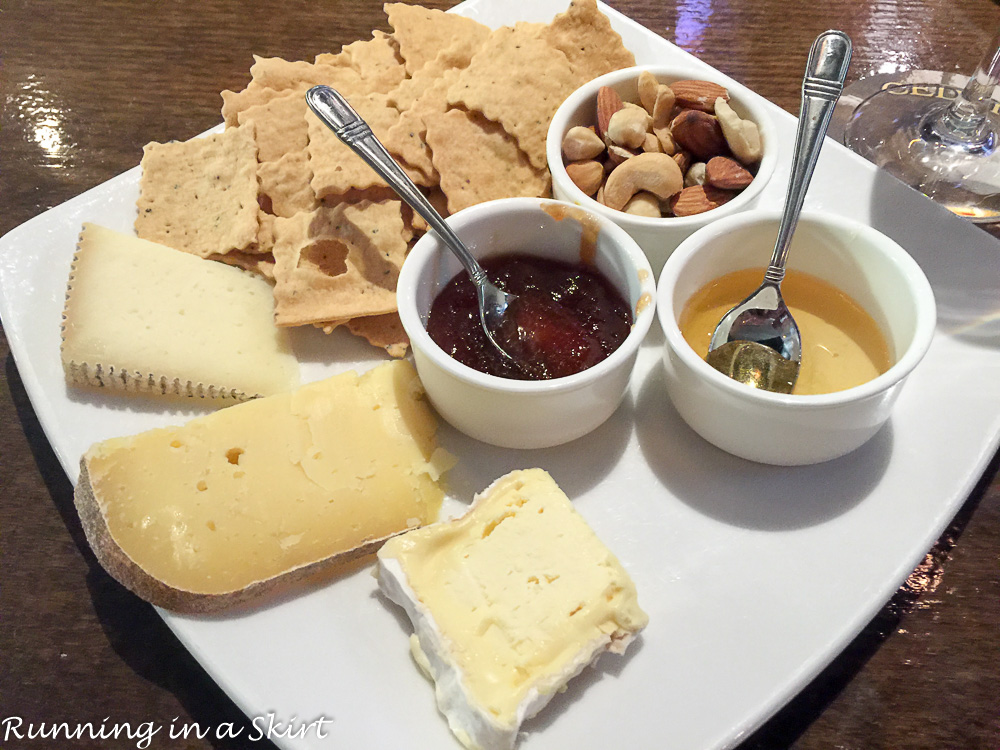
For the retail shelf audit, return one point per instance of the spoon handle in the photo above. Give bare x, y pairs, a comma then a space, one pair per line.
336, 113
824, 80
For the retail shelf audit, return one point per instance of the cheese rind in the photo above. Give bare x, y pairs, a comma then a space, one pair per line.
144, 317
508, 603
215, 511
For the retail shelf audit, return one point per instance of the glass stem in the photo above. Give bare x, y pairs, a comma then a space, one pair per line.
966, 120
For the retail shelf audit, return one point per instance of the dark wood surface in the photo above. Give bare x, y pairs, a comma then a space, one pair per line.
83, 85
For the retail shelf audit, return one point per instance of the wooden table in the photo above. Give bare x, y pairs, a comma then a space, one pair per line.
84, 85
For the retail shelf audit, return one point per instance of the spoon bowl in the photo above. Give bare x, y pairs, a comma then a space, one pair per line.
758, 341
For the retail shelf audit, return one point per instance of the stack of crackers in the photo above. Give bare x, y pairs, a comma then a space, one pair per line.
463, 108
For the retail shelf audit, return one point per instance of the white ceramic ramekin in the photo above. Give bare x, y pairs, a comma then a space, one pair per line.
657, 237
789, 429
515, 413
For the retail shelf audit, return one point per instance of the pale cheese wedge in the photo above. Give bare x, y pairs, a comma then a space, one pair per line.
144, 317
228, 506
508, 603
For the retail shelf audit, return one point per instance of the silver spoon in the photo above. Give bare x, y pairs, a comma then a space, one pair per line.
337, 114
758, 342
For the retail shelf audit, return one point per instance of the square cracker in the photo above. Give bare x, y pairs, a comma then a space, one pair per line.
422, 32
478, 161
585, 36
518, 80
338, 262
201, 195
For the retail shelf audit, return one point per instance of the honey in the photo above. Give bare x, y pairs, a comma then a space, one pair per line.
842, 346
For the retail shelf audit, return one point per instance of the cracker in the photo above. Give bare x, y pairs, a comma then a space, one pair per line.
478, 161
287, 184
299, 75
200, 196
457, 55
279, 125
518, 80
585, 36
383, 331
406, 139
377, 61
422, 32
407, 142
338, 262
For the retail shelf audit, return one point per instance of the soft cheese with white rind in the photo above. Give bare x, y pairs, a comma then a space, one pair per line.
232, 504
143, 317
508, 603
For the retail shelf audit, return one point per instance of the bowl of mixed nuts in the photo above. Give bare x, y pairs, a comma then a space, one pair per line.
661, 151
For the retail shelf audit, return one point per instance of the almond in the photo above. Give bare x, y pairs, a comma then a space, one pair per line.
699, 133
697, 199
608, 102
722, 172
700, 95
683, 159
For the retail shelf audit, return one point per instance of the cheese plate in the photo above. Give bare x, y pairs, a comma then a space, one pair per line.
754, 577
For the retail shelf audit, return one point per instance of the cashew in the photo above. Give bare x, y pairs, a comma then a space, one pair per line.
644, 204
742, 135
651, 143
586, 175
648, 86
581, 143
695, 174
663, 106
666, 139
627, 127
653, 172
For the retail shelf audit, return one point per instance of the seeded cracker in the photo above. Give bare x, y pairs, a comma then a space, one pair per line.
200, 196
422, 32
338, 262
518, 80
585, 35
478, 161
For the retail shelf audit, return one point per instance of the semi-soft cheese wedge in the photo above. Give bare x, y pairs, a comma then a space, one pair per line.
225, 507
144, 317
508, 603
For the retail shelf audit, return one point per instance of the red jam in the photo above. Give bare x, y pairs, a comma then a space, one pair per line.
567, 317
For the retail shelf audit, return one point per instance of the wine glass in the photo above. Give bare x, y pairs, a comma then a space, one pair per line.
943, 143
